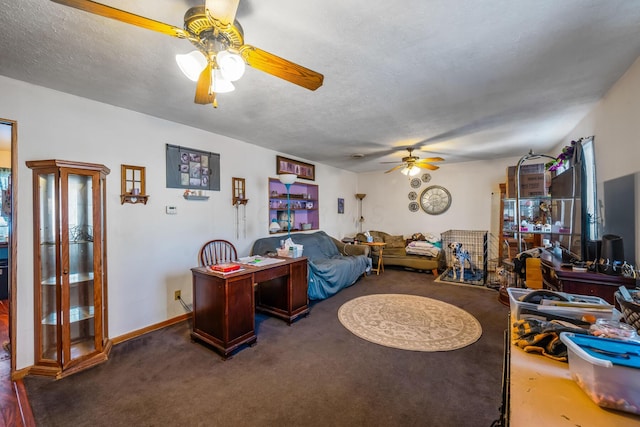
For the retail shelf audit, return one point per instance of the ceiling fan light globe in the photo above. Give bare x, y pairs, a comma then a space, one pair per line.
411, 170
191, 64
414, 170
231, 64
219, 84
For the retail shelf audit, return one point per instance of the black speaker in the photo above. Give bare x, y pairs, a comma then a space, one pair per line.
612, 254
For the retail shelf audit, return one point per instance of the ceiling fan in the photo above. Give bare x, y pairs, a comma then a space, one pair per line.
411, 164
219, 38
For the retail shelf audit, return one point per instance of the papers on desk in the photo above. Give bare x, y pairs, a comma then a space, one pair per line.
258, 260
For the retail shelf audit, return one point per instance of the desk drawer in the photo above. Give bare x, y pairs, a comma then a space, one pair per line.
272, 273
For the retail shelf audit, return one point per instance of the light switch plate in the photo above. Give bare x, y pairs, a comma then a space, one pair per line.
172, 210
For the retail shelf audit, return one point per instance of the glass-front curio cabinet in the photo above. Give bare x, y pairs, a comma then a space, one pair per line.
69, 266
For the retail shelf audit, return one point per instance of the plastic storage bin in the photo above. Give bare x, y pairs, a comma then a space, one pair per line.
607, 370
521, 309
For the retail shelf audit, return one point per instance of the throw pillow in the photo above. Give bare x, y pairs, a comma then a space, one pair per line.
394, 241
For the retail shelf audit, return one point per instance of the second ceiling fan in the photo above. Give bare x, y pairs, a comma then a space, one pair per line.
411, 164
221, 53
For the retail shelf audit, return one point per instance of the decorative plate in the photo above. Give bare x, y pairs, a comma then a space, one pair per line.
416, 183
435, 200
413, 195
413, 206
426, 177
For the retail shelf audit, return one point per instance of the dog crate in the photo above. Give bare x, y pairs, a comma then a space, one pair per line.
467, 255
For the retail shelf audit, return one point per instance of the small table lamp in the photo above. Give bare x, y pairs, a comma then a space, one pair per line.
274, 227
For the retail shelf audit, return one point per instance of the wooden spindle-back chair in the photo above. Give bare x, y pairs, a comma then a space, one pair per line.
216, 252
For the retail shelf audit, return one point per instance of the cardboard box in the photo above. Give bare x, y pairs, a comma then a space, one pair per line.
530, 169
531, 185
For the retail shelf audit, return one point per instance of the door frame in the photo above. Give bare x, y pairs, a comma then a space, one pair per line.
13, 239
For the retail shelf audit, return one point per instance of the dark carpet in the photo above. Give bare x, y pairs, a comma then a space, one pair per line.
313, 373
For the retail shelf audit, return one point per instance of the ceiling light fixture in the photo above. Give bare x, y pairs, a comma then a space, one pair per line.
410, 170
231, 68
231, 64
219, 84
191, 64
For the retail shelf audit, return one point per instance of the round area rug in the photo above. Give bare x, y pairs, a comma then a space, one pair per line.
409, 322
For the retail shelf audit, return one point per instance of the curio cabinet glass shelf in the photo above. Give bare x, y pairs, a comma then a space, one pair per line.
69, 266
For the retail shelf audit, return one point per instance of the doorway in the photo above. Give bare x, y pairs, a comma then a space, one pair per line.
8, 161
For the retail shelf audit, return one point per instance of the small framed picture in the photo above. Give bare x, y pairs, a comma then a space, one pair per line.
302, 169
340, 206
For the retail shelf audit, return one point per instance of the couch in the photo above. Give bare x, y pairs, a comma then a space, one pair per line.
395, 253
333, 265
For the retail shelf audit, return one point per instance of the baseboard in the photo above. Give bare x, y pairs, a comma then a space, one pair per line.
150, 328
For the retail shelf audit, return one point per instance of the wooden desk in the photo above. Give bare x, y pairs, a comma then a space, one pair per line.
582, 283
381, 246
224, 304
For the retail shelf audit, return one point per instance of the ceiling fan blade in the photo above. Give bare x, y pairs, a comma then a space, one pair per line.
428, 166
395, 168
202, 88
431, 159
276, 66
121, 15
222, 11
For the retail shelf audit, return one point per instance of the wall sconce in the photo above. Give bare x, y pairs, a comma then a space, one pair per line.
132, 184
239, 192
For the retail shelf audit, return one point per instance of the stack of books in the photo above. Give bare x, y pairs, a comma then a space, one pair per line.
225, 268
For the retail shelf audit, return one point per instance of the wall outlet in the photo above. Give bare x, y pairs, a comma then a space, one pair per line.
176, 295
172, 210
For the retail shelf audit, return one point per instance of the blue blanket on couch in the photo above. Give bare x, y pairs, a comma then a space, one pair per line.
329, 270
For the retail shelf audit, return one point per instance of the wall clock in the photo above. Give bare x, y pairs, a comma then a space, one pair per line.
413, 195
413, 207
435, 200
426, 177
415, 183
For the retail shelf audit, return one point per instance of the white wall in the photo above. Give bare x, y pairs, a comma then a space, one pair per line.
149, 253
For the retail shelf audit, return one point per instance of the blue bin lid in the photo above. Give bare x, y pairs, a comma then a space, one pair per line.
618, 352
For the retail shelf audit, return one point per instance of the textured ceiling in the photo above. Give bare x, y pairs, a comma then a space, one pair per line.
464, 79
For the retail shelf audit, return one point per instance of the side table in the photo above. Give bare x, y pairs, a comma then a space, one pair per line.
381, 246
